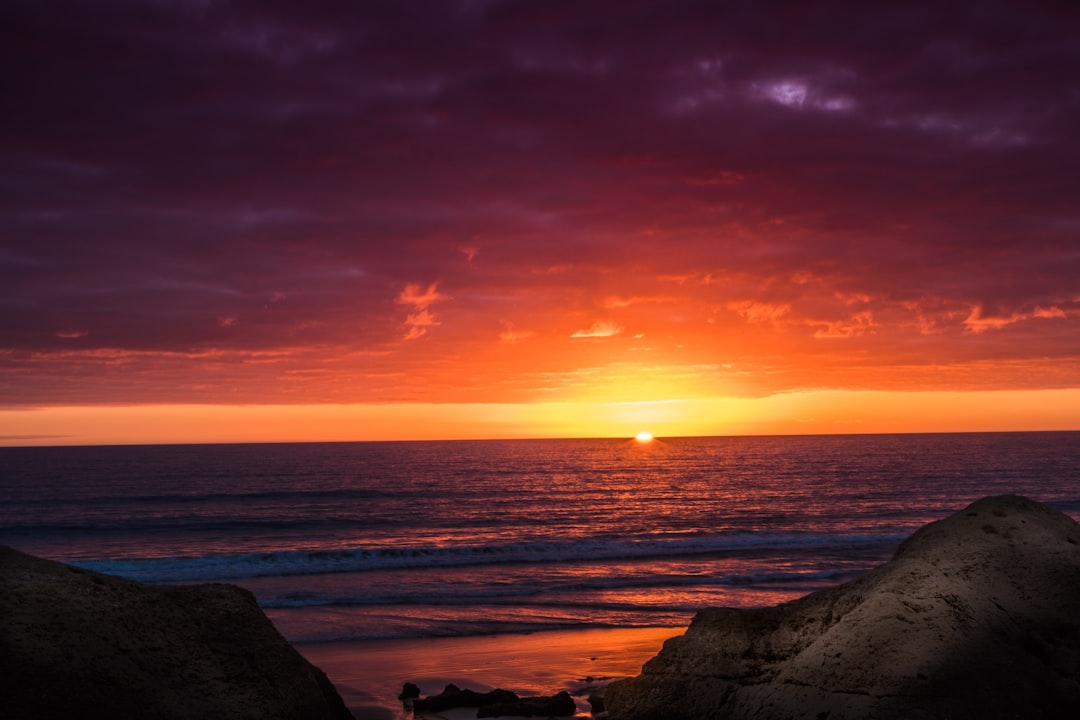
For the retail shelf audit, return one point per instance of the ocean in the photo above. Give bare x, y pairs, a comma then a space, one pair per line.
376, 540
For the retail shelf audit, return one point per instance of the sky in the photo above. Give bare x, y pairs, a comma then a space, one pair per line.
237, 221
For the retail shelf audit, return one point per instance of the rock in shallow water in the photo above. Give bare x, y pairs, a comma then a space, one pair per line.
976, 616
558, 705
75, 643
454, 697
496, 703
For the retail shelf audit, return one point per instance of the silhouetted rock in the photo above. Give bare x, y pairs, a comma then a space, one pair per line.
596, 702
976, 616
559, 705
75, 643
409, 691
454, 697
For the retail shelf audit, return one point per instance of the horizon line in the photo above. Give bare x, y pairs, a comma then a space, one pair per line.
582, 438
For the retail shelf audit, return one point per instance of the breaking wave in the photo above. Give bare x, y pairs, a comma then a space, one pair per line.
356, 560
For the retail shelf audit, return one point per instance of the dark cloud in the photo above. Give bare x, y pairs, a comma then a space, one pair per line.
258, 177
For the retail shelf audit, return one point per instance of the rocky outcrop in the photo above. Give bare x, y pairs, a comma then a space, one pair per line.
976, 616
544, 706
495, 703
453, 697
75, 643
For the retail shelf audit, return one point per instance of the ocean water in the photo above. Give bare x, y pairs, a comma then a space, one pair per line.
423, 539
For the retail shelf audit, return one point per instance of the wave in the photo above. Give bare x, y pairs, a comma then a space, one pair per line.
579, 595
476, 628
196, 498
112, 526
1069, 507
233, 566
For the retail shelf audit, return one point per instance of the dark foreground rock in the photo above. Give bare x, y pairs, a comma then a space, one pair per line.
454, 697
976, 616
496, 703
80, 644
558, 705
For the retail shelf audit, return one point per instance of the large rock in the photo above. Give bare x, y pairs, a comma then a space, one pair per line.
976, 616
78, 644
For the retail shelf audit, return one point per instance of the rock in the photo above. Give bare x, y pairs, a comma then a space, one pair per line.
976, 616
559, 705
454, 697
596, 702
75, 643
410, 693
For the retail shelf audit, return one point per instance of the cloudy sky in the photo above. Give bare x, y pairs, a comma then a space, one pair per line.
521, 202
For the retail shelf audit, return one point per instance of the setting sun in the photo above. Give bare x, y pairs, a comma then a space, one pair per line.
644, 436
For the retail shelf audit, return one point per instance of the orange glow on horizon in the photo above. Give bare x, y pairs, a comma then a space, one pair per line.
825, 412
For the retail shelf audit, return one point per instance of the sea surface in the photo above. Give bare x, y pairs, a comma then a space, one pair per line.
422, 539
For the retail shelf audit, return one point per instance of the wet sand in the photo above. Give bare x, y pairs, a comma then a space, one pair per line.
370, 674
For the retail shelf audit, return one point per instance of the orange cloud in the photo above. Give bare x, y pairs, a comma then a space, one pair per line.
977, 322
1050, 312
617, 303
420, 299
512, 335
418, 323
757, 312
599, 329
857, 324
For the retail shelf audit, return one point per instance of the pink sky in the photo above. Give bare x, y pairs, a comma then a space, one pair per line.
538, 205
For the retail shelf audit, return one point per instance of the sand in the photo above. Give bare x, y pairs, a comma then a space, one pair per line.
369, 674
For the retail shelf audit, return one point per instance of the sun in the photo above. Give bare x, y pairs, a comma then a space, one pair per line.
644, 436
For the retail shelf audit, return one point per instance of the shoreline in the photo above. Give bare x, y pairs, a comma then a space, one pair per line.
369, 674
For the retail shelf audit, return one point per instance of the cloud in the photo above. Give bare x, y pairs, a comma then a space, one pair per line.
616, 303
511, 335
599, 329
417, 323
1050, 312
934, 316
761, 313
858, 324
978, 322
420, 299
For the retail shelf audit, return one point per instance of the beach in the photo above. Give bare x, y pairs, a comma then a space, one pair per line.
370, 674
